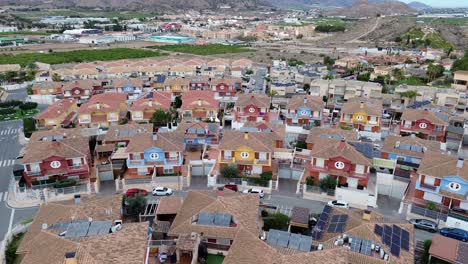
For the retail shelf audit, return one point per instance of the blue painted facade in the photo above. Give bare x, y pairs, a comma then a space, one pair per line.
448, 181
304, 112
128, 89
152, 155
406, 158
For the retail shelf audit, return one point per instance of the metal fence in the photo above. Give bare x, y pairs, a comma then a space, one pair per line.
221, 180
419, 210
137, 181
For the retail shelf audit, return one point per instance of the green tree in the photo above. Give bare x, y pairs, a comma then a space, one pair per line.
434, 71
160, 117
277, 221
411, 95
28, 127
398, 74
56, 77
28, 106
306, 87
135, 205
431, 205
230, 171
328, 61
327, 183
178, 102
329, 77
301, 144
365, 77
425, 256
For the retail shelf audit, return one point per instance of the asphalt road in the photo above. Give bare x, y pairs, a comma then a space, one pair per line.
10, 149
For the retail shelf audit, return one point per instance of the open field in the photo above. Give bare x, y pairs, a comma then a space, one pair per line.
25, 33
86, 13
455, 21
210, 49
79, 56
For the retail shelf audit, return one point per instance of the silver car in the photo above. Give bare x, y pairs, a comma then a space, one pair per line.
424, 224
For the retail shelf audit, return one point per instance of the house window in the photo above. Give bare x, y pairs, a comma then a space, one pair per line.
76, 161
55, 164
142, 171
423, 125
303, 112
262, 156
244, 154
359, 117
339, 165
227, 154
429, 180
168, 171
172, 155
319, 162
154, 156
251, 109
454, 186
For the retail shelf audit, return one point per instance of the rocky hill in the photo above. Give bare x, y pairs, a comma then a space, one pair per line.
419, 6
363, 8
142, 4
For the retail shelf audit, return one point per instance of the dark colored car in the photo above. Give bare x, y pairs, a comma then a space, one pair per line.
135, 191
456, 233
424, 224
232, 187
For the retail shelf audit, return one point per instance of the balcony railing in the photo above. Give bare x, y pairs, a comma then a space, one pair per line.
217, 246
228, 159
262, 161
33, 173
427, 187
76, 166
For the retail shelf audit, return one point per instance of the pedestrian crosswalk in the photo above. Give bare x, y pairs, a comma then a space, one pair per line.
7, 163
11, 131
3, 196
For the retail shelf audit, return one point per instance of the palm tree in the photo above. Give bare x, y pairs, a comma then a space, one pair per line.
272, 93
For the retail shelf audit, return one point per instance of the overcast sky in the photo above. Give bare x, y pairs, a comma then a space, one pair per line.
442, 3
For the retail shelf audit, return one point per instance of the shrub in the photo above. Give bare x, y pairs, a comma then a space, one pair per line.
65, 183
230, 171
301, 144
7, 111
425, 255
135, 205
10, 252
276, 221
310, 181
28, 127
327, 183
28, 106
431, 205
12, 103
265, 213
266, 176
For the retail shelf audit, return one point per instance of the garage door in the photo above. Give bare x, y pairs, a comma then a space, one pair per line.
196, 170
106, 176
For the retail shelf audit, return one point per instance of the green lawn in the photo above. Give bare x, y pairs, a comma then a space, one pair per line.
79, 56
210, 49
23, 33
19, 115
214, 259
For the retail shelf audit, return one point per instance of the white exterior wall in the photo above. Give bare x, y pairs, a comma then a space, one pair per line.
454, 222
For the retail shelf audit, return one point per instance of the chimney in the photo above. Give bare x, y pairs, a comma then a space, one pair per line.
150, 103
361, 105
44, 226
98, 106
305, 100
342, 144
246, 135
460, 163
70, 258
199, 102
77, 198
155, 136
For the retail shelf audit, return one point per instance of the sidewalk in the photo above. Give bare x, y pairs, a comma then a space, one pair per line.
13, 203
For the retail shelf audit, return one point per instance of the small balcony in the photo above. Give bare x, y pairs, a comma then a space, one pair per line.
76, 167
427, 187
261, 162
227, 159
135, 163
34, 173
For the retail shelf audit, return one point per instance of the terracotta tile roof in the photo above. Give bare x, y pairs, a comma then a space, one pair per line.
278, 129
169, 205
183, 68
258, 141
330, 148
260, 100
183, 127
114, 133
243, 208
103, 103
83, 84
444, 248
56, 109
312, 102
67, 148
230, 81
152, 100
99, 208
370, 107
199, 99
46, 85
66, 133
164, 141
199, 79
440, 165
176, 81
123, 82
462, 254
417, 114
318, 133
194, 62
218, 62
390, 143
242, 63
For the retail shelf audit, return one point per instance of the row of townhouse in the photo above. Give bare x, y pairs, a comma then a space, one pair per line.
338, 91
83, 90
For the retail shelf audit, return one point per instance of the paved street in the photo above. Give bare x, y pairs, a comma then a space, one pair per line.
10, 149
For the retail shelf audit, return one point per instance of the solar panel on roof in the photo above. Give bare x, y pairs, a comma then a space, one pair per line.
378, 230
283, 239
395, 250
332, 228
335, 219
317, 235
77, 229
294, 241
366, 247
222, 219
340, 228
404, 235
205, 218
99, 228
327, 209
343, 218
387, 235
272, 238
356, 244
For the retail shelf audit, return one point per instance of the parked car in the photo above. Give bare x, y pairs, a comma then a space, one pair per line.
424, 224
162, 191
458, 209
135, 191
232, 187
456, 233
260, 192
339, 204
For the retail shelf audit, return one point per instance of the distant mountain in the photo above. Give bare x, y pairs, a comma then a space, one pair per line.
419, 6
141, 4
372, 8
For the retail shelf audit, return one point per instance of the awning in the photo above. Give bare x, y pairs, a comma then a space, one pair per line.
432, 197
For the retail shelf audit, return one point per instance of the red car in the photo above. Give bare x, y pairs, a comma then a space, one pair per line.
135, 191
232, 187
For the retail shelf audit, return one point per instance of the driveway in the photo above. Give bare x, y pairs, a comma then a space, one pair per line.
286, 187
198, 182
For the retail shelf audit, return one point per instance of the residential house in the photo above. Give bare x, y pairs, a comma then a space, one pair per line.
447, 250
278, 130
47, 88
85, 224
225, 87
304, 111
176, 85
460, 80
121, 135
103, 110
252, 153
67, 156
126, 85
316, 134
407, 151
199, 83
337, 90
199, 133
82, 90
455, 132
284, 87
424, 123
144, 107
442, 179
182, 70
155, 154
59, 114
364, 115
199, 105
348, 62
251, 107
